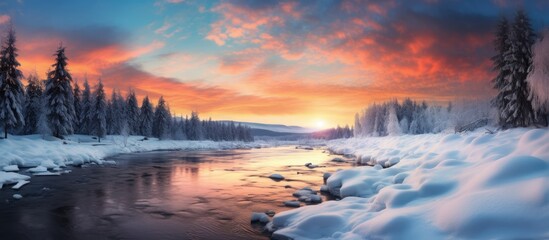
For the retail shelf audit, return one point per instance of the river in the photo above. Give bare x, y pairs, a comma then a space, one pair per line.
163, 195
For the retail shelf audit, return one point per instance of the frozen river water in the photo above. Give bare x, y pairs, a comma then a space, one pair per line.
163, 195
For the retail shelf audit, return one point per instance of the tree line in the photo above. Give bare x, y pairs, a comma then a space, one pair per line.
334, 133
411, 117
58, 107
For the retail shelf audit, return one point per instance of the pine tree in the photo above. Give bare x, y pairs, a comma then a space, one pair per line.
77, 107
33, 104
501, 46
146, 117
11, 89
161, 118
116, 114
86, 111
518, 111
59, 97
132, 112
195, 128
99, 127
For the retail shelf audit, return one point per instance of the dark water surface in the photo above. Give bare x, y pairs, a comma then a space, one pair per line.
162, 195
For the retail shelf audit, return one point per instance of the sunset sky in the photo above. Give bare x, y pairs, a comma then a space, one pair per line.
288, 62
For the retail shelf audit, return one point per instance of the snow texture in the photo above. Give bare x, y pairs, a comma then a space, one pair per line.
11, 168
445, 186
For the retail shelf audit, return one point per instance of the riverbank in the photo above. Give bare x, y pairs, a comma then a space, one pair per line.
474, 185
51, 155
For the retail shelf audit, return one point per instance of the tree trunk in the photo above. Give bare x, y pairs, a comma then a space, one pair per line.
5, 131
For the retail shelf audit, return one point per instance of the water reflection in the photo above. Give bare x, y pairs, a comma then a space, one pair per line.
163, 195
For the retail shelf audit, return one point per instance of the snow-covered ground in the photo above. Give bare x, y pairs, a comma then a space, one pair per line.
441, 186
49, 156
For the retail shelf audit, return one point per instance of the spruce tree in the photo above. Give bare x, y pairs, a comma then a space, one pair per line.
86, 111
161, 118
59, 97
501, 46
146, 117
99, 112
518, 112
132, 112
77, 107
195, 128
33, 104
116, 120
11, 89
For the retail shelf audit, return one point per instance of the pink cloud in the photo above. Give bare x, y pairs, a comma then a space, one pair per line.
4, 19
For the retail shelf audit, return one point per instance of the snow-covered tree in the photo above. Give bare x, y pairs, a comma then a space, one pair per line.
77, 107
116, 114
404, 125
538, 78
501, 46
195, 127
33, 104
86, 111
161, 118
59, 97
99, 111
11, 89
358, 126
146, 118
393, 126
518, 112
132, 112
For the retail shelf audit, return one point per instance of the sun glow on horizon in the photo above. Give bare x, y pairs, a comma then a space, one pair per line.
320, 124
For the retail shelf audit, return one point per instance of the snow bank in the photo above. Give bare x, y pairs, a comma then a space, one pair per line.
40, 154
478, 185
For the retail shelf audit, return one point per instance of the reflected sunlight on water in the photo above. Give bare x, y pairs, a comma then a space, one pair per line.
168, 195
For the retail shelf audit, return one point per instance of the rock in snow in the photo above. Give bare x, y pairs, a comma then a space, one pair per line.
294, 204
276, 176
324, 188
260, 217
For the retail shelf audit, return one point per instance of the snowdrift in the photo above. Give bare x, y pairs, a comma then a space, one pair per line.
476, 185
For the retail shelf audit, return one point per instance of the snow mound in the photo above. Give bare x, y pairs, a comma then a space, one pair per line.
11, 168
38, 169
477, 185
11, 177
17, 196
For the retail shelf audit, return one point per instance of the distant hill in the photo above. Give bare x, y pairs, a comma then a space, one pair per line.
279, 128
